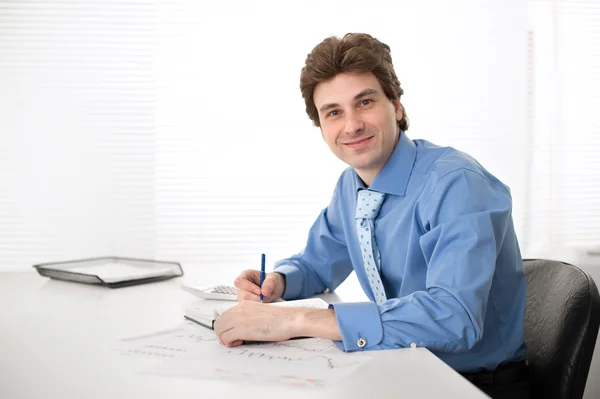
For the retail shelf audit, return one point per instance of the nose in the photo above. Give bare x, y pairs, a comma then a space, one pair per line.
354, 125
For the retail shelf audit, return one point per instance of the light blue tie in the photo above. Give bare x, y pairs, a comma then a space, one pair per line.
368, 204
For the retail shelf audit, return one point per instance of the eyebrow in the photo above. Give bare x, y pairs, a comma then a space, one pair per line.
364, 93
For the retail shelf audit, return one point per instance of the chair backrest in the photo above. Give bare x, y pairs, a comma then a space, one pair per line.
561, 325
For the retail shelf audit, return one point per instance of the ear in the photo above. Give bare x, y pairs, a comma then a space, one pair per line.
398, 108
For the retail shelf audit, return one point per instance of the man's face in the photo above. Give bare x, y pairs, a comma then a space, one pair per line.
358, 122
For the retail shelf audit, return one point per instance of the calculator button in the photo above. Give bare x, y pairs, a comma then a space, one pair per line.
221, 289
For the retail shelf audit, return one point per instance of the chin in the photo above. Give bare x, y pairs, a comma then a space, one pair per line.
365, 160
361, 165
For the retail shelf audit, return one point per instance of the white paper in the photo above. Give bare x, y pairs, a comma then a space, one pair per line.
297, 364
114, 272
176, 342
192, 351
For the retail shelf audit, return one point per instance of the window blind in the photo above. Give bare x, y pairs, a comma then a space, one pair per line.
578, 146
565, 180
77, 100
176, 129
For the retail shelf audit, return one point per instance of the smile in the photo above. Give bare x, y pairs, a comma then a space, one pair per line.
359, 143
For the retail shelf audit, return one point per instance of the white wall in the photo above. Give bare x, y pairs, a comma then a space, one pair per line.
122, 119
563, 219
77, 131
175, 129
231, 119
118, 121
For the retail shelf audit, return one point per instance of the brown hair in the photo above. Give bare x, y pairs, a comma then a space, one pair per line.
354, 53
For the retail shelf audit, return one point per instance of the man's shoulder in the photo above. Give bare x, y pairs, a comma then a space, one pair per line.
437, 161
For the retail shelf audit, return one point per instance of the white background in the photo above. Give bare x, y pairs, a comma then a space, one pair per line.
176, 130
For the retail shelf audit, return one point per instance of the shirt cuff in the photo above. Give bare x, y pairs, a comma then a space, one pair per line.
293, 281
360, 325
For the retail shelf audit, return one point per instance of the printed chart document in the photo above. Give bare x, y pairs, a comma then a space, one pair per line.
299, 364
179, 341
192, 351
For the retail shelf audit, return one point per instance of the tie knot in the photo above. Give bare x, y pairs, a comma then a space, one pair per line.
368, 204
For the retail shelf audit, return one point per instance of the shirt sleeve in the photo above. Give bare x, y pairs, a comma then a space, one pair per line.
465, 221
324, 262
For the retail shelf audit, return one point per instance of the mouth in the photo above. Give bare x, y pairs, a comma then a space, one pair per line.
359, 143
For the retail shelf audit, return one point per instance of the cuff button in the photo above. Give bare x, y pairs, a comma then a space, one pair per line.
361, 342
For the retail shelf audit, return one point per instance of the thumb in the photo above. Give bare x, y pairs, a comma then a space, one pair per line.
268, 287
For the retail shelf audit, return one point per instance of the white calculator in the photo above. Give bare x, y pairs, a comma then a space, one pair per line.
220, 292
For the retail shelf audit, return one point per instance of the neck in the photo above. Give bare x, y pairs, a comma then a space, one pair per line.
367, 176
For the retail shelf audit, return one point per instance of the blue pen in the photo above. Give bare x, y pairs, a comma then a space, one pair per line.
262, 275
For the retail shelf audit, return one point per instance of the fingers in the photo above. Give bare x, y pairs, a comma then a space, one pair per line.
226, 334
228, 339
268, 287
248, 281
250, 275
246, 296
248, 286
272, 288
226, 330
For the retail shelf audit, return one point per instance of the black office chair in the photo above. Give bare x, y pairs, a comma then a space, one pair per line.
561, 325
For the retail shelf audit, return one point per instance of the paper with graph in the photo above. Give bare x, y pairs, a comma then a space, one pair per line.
304, 363
180, 341
192, 351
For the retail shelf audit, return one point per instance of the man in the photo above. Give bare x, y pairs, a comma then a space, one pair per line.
427, 229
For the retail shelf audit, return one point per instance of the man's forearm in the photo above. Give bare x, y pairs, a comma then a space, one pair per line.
317, 323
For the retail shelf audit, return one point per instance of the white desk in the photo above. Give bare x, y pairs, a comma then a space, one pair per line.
57, 340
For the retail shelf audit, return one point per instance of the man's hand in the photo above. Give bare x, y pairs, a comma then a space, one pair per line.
255, 321
248, 286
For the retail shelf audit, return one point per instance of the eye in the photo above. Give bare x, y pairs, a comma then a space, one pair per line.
335, 112
366, 102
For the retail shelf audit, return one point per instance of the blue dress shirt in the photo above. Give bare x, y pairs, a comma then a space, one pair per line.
450, 260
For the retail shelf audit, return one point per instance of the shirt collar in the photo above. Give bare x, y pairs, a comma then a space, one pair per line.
393, 177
